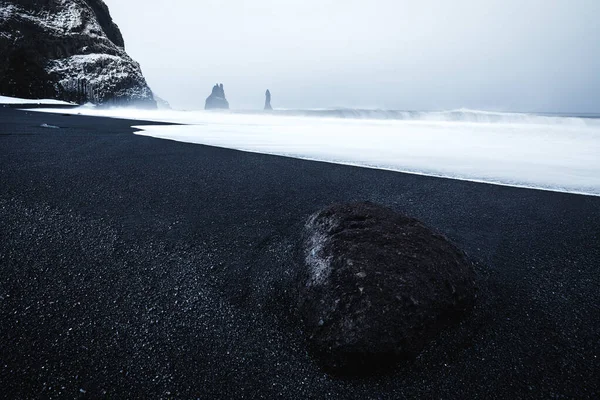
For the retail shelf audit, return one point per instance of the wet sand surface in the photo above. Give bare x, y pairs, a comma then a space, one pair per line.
135, 267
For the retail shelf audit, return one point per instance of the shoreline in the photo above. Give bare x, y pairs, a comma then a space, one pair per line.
559, 156
401, 171
139, 267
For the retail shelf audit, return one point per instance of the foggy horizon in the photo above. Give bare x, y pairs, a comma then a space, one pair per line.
498, 56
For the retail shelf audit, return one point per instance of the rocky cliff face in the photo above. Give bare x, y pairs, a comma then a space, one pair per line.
69, 50
217, 99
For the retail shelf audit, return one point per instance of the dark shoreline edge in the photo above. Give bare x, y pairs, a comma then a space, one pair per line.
137, 267
34, 106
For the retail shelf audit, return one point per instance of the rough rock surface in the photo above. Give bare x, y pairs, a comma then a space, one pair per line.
161, 103
378, 286
268, 100
69, 50
217, 99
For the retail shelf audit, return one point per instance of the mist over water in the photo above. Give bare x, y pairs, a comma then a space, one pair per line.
460, 115
527, 150
503, 55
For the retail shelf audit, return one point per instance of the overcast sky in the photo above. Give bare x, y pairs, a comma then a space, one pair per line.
521, 55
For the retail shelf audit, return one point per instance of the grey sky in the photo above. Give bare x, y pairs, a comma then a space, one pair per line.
522, 55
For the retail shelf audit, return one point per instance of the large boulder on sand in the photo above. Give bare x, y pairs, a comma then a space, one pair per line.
377, 286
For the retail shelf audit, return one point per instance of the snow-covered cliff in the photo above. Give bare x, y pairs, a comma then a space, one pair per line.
69, 50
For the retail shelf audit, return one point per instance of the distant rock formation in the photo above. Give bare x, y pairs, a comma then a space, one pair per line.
68, 50
161, 103
217, 99
377, 286
268, 100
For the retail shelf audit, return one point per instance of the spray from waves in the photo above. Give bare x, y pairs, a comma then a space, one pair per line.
557, 153
460, 115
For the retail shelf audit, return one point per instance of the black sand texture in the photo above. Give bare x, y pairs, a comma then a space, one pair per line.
134, 267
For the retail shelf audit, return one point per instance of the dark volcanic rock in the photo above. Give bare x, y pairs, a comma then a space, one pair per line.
268, 100
69, 50
216, 99
378, 286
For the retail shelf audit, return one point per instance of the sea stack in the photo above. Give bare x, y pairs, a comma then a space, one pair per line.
268, 100
217, 99
67, 50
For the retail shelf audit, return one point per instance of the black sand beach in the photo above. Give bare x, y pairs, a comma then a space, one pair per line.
134, 267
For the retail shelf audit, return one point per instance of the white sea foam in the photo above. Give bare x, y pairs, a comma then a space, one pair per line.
544, 152
15, 100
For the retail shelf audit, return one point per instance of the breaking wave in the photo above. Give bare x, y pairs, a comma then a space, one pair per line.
549, 152
460, 115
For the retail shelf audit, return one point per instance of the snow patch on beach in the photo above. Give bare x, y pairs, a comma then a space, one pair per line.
50, 102
558, 153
